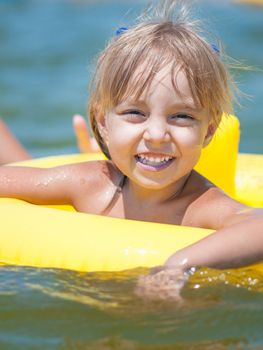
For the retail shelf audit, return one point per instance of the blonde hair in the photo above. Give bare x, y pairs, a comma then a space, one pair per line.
164, 35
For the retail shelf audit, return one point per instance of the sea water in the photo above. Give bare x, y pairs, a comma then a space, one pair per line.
46, 56
59, 309
48, 49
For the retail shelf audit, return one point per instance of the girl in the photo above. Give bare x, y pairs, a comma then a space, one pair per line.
157, 97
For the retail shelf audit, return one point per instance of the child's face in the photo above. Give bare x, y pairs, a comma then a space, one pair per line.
157, 139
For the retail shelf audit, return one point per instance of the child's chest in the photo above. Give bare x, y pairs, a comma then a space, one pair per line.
111, 201
169, 213
114, 200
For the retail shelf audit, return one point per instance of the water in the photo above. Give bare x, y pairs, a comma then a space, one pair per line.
47, 47
54, 309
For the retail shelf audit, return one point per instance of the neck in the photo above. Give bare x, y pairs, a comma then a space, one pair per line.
156, 196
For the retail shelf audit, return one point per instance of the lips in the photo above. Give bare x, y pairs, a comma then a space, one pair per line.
154, 161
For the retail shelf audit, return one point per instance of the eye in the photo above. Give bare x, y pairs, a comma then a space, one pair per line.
182, 119
134, 115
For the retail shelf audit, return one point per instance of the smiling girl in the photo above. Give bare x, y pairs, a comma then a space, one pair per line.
157, 97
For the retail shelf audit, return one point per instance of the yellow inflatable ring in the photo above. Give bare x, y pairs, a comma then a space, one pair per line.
41, 236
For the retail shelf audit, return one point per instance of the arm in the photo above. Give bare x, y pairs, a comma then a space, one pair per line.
11, 149
38, 186
238, 241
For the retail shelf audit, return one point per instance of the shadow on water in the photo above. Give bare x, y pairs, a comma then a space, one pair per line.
57, 309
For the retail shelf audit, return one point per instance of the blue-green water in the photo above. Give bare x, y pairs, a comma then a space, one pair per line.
46, 50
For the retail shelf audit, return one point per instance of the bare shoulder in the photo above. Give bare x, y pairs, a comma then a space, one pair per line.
94, 182
211, 207
93, 172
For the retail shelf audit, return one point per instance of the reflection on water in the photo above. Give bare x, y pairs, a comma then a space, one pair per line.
56, 309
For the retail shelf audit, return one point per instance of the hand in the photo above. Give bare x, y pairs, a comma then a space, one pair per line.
162, 284
86, 143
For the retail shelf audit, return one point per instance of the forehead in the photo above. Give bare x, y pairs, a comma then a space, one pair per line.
167, 82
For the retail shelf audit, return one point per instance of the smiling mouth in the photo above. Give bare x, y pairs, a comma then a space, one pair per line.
157, 162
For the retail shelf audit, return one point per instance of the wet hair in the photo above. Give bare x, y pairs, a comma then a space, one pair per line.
163, 36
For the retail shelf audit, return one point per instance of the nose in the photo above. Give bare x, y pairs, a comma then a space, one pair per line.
156, 131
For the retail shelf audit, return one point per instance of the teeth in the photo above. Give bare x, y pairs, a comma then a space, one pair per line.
156, 160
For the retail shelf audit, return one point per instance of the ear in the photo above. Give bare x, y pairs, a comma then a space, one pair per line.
210, 133
102, 127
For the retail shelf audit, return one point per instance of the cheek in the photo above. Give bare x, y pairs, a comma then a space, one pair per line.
117, 138
189, 140
121, 134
